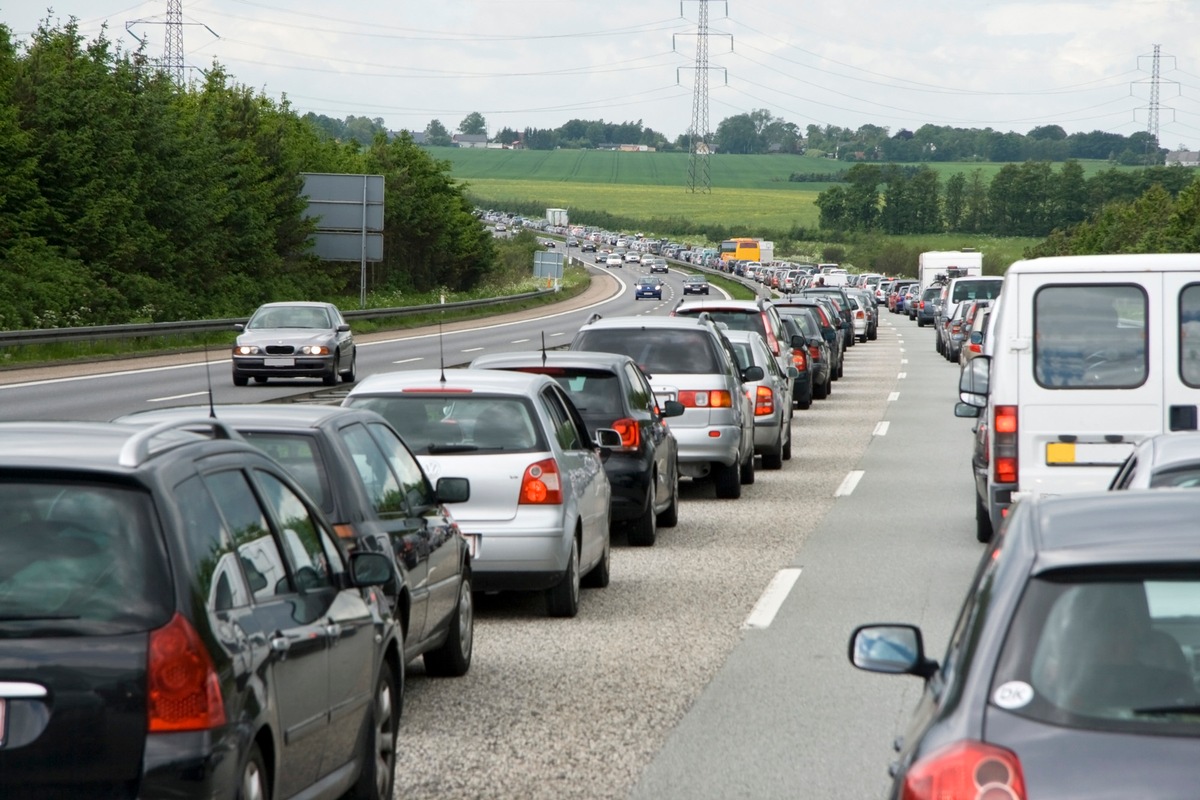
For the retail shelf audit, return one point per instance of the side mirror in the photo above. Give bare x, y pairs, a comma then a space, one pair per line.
672, 408
891, 649
453, 490
792, 372
606, 438
798, 341
973, 384
967, 411
370, 569
751, 374
345, 326
976, 337
239, 326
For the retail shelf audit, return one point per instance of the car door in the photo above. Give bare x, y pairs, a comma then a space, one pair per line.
1181, 342
582, 470
654, 429
297, 673
313, 558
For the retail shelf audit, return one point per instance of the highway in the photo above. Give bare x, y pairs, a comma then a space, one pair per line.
685, 677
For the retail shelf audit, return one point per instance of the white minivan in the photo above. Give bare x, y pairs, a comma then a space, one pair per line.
1089, 355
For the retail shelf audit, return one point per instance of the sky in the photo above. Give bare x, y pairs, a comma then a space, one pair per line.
1010, 65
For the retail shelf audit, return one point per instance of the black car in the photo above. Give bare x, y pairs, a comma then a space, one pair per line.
355, 467
1072, 669
178, 620
610, 391
829, 325
802, 359
695, 284
841, 298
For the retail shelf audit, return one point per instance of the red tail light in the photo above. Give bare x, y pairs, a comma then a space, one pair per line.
860, 314
1004, 448
975, 348
814, 352
921, 305
540, 485
772, 342
184, 693
966, 771
714, 399
631, 433
764, 402
800, 360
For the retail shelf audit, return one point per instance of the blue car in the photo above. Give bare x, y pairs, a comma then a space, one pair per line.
648, 286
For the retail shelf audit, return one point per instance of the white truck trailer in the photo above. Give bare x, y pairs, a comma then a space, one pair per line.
949, 263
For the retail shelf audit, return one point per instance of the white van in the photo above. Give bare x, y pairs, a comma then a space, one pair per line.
1089, 355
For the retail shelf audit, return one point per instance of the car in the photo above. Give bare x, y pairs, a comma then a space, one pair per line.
540, 498
758, 315
1072, 670
807, 342
974, 336
840, 298
858, 316
690, 360
954, 332
648, 286
695, 284
926, 305
367, 483
179, 620
632, 258
572, 242
614, 260
610, 391
1163, 461
294, 340
830, 329
772, 395
587, 246
659, 265
870, 311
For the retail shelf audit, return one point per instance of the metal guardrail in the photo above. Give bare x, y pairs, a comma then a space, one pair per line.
97, 332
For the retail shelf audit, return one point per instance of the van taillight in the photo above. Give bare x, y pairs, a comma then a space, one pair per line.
540, 485
764, 402
713, 399
183, 691
1004, 446
966, 771
631, 433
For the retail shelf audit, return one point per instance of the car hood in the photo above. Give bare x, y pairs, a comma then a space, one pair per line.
293, 336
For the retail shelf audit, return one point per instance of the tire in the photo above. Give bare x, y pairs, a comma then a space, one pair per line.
940, 347
669, 516
644, 531
598, 576
453, 658
787, 448
331, 378
239, 379
728, 481
983, 521
563, 600
822, 391
839, 369
349, 375
873, 335
378, 777
920, 323
746, 473
774, 459
829, 386
255, 783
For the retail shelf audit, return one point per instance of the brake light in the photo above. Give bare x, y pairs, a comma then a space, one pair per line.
436, 390
859, 314
921, 305
1004, 448
966, 771
540, 484
799, 359
183, 691
772, 342
764, 402
814, 351
713, 399
631, 433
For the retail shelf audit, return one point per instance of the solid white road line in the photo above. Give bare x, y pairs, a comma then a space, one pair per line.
848, 484
772, 598
882, 428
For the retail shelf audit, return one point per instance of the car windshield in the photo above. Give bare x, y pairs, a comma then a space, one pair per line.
78, 558
290, 317
431, 423
647, 282
1105, 652
661, 351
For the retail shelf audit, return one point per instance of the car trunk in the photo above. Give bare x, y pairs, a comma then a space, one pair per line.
495, 481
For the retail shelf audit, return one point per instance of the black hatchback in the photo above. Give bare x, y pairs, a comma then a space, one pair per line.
177, 620
610, 391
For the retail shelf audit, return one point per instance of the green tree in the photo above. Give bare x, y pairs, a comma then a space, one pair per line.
833, 204
737, 134
862, 199
924, 195
975, 205
473, 124
956, 198
436, 134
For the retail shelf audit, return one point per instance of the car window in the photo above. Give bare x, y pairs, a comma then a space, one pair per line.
1090, 336
417, 491
747, 320
256, 548
594, 392
210, 548
313, 557
1104, 652
375, 471
974, 290
688, 352
639, 394
298, 453
1189, 335
566, 432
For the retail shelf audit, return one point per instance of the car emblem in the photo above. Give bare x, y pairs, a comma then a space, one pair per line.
433, 469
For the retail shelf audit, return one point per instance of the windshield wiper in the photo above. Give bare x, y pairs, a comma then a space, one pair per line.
451, 448
1164, 711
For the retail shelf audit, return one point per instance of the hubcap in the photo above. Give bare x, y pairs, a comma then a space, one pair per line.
466, 613
385, 740
252, 783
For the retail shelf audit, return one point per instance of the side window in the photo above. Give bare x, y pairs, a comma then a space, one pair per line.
565, 431
211, 553
1090, 336
417, 491
1189, 335
641, 396
310, 551
251, 536
383, 487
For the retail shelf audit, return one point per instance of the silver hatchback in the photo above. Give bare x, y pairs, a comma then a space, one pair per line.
538, 515
771, 396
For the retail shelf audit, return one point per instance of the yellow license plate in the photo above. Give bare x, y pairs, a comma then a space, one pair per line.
1060, 453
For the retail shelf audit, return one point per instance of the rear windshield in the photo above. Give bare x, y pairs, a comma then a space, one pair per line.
299, 454
458, 423
733, 319
1105, 652
676, 352
1090, 336
78, 559
975, 290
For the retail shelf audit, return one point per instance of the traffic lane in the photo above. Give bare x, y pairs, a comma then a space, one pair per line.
578, 708
788, 713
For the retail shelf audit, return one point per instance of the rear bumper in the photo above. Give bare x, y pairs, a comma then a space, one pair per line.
696, 445
515, 556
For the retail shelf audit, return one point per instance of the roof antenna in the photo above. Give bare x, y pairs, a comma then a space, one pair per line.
441, 352
543, 348
212, 410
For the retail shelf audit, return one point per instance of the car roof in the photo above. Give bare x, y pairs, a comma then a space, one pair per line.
643, 323
1113, 528
586, 359
1167, 450
111, 446
718, 304
297, 304
258, 415
479, 380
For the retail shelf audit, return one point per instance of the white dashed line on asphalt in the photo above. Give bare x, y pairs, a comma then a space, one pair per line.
882, 428
472, 350
518, 341
901, 376
893, 397
408, 360
772, 598
176, 397
849, 483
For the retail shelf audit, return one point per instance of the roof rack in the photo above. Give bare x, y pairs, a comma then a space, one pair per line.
136, 449
595, 316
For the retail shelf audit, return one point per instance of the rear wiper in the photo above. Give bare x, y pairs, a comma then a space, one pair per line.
1165, 711
451, 448
37, 617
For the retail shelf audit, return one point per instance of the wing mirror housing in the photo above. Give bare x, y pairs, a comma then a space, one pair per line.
453, 490
672, 408
751, 374
973, 384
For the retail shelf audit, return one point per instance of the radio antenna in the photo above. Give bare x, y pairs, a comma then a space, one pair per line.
212, 409
441, 351
543, 348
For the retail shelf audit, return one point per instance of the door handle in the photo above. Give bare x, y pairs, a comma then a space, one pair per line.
279, 644
333, 630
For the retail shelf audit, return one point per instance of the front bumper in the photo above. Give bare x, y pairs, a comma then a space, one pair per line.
272, 366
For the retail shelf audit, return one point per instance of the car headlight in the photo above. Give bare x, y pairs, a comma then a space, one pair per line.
314, 350
245, 350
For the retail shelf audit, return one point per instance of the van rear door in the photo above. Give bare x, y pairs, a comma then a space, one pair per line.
1181, 342
1091, 377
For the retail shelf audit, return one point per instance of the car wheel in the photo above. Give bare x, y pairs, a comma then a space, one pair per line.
983, 521
669, 517
453, 658
940, 347
728, 481
239, 379
348, 375
378, 776
598, 577
260, 378
774, 459
746, 473
920, 323
645, 529
256, 784
330, 378
829, 386
873, 335
839, 370
563, 600
787, 447
821, 390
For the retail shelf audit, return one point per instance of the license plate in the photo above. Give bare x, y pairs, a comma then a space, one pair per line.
1087, 454
472, 544
279, 362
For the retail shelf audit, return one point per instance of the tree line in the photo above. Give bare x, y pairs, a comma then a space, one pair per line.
125, 197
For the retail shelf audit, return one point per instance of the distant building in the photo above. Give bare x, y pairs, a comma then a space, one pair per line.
1184, 158
469, 140
635, 148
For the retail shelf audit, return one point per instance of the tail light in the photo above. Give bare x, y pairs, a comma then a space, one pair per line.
1004, 445
540, 484
814, 352
800, 360
955, 328
860, 314
966, 771
975, 348
772, 342
700, 399
631, 433
183, 691
764, 401
921, 305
